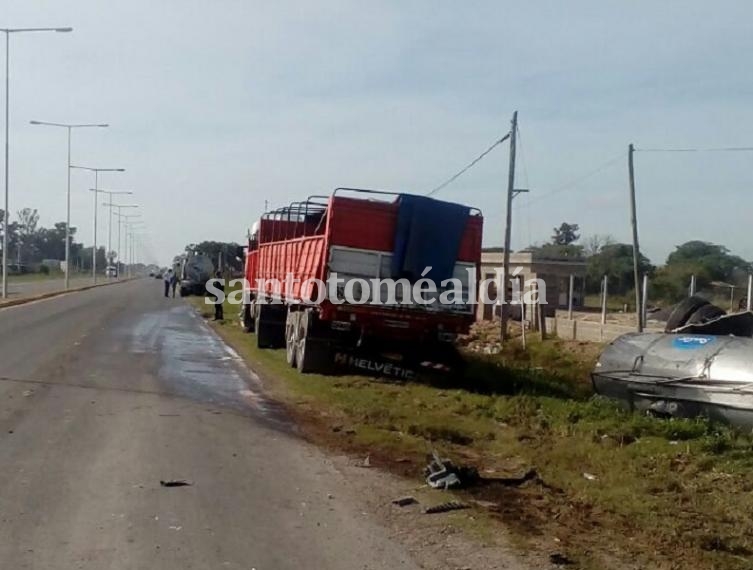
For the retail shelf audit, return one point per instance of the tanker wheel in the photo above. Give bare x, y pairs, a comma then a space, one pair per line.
705, 314
291, 339
682, 312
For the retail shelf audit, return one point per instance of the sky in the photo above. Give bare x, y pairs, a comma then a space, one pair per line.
216, 107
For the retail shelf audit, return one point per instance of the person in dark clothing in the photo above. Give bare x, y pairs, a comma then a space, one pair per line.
174, 282
168, 279
218, 312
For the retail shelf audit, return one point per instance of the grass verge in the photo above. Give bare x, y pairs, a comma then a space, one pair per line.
615, 489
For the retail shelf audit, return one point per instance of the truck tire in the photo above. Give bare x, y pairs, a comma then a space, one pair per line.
263, 332
269, 326
183, 292
311, 352
705, 314
291, 338
682, 312
247, 323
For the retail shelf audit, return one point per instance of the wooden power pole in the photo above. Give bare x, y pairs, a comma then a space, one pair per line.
505, 308
636, 249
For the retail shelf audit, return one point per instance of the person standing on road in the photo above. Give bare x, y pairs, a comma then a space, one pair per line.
168, 280
174, 282
219, 284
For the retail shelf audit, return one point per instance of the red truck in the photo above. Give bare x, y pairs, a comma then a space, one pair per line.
303, 260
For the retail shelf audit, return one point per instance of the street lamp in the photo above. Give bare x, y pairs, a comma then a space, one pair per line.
120, 215
96, 190
68, 195
8, 32
127, 223
134, 228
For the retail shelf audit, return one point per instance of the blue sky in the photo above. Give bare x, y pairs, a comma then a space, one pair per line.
218, 106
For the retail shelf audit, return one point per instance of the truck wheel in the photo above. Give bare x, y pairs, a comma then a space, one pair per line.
682, 312
263, 334
247, 323
705, 314
311, 352
183, 292
291, 338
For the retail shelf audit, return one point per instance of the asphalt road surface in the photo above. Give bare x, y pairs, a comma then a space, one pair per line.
106, 392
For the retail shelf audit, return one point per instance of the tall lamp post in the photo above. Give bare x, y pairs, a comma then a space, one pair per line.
134, 228
120, 215
68, 194
8, 32
96, 190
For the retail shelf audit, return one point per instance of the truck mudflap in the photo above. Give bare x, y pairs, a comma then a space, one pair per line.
372, 361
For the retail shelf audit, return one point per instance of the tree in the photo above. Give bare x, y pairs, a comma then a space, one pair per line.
706, 261
616, 262
566, 234
596, 242
27, 227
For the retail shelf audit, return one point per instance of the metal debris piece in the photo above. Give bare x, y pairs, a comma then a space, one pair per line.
443, 474
175, 483
446, 507
405, 501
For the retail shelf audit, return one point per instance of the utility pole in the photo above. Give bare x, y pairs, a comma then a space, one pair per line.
636, 249
504, 309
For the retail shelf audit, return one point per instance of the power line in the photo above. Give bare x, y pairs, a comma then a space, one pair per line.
578, 180
467, 168
720, 149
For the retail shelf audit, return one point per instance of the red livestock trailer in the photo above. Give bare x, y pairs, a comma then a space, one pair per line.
340, 280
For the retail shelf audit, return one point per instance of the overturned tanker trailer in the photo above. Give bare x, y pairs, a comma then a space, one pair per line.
699, 369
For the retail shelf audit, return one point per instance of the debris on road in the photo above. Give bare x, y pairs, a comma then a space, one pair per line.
443, 474
446, 507
590, 476
365, 463
560, 559
405, 501
175, 483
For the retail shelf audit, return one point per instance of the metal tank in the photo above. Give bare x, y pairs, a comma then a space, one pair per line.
682, 375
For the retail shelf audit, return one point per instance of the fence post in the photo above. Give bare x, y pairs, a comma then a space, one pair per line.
750, 291
604, 301
692, 286
522, 312
644, 300
571, 292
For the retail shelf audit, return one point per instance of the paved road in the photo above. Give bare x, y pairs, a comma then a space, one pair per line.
106, 392
19, 288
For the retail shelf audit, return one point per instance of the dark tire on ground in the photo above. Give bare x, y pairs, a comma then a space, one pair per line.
682, 312
705, 314
183, 292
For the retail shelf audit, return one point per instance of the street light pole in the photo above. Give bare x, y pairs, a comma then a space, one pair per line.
6, 215
68, 195
120, 215
96, 191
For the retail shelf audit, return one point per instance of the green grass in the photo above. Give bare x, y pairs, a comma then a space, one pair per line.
666, 493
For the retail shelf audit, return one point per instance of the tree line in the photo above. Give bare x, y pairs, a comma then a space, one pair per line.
29, 243
710, 264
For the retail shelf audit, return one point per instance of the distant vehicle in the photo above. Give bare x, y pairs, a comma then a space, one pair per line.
195, 271
355, 236
111, 271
